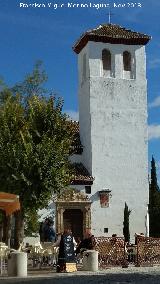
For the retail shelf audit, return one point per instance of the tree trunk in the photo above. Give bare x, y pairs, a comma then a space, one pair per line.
19, 229
2, 216
4, 228
1, 232
9, 228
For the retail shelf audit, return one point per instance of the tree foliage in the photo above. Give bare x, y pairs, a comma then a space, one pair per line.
154, 203
31, 225
35, 141
126, 232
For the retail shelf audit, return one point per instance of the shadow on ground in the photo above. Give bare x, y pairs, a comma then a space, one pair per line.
136, 278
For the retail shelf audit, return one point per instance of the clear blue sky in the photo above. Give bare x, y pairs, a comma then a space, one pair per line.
30, 34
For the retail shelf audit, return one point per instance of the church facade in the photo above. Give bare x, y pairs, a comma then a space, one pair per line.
112, 154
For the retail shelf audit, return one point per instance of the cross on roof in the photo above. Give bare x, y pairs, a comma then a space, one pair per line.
109, 16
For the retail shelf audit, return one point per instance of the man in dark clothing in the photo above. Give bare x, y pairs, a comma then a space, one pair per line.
41, 232
51, 235
45, 229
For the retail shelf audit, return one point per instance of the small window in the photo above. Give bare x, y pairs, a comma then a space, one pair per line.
88, 189
106, 59
105, 230
126, 61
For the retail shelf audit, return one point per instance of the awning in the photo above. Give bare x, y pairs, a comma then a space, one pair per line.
9, 202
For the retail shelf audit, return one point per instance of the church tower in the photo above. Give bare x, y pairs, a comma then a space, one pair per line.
113, 125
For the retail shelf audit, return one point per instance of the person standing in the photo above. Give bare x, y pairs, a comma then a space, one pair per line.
41, 232
66, 251
51, 235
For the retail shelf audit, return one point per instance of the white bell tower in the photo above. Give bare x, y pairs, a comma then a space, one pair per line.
113, 124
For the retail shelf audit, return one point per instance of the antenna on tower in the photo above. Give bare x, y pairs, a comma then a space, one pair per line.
109, 15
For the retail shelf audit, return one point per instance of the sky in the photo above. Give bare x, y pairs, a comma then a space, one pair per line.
47, 33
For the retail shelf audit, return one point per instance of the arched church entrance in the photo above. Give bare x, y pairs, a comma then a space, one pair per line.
73, 219
73, 209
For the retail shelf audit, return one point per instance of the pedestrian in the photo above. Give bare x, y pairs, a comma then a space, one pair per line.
66, 251
41, 233
51, 235
45, 229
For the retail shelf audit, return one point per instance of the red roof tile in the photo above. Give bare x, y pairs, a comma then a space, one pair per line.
81, 175
110, 33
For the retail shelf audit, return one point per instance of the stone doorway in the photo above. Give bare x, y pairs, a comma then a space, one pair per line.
73, 218
73, 208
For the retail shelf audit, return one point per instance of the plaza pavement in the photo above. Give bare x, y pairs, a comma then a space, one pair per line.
131, 275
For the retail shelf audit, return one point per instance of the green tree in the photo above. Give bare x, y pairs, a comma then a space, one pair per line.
35, 142
31, 225
154, 203
126, 232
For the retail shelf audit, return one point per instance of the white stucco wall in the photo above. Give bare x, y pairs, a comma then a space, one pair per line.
113, 130
47, 212
84, 114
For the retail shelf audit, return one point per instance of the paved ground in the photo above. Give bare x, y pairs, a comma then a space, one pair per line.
150, 275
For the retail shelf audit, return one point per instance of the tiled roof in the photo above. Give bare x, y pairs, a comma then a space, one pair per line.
110, 33
81, 175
